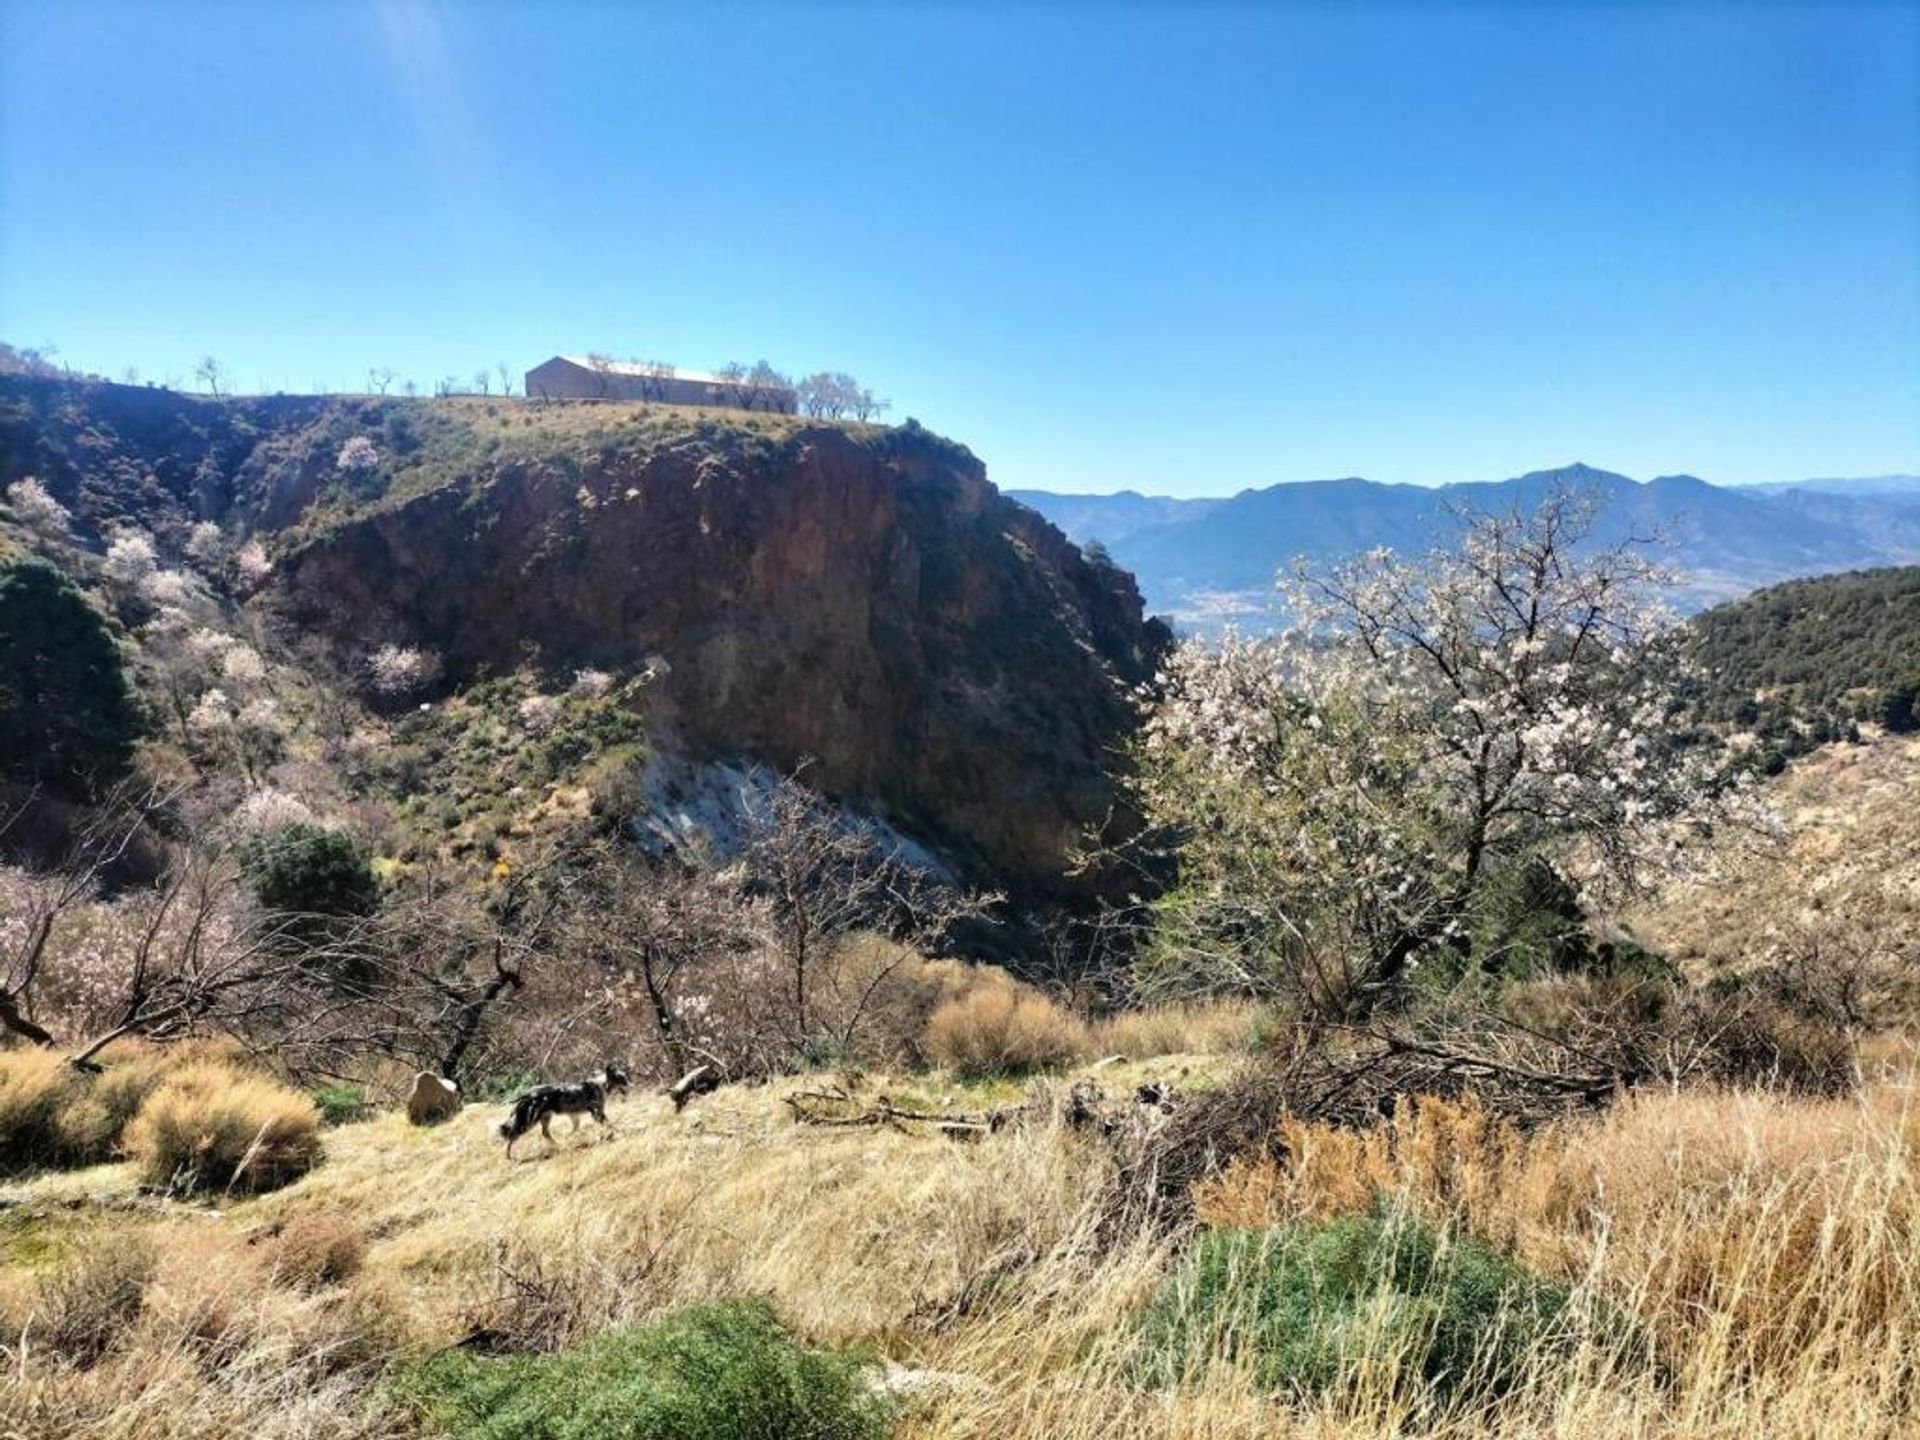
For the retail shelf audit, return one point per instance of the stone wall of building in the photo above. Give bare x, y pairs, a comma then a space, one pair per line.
563, 379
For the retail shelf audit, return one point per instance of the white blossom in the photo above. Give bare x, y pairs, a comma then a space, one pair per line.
207, 644
130, 558
212, 714
538, 713
358, 455
165, 587
241, 665
1339, 790
267, 809
34, 506
205, 542
252, 562
398, 669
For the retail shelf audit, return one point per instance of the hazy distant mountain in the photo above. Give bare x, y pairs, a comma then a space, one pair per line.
1210, 561
1115, 517
1877, 485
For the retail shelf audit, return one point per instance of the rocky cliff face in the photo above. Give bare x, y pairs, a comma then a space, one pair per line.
859, 600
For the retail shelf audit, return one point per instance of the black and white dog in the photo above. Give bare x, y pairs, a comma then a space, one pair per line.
540, 1104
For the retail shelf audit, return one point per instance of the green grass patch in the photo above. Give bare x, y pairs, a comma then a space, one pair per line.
712, 1372
341, 1104
1308, 1308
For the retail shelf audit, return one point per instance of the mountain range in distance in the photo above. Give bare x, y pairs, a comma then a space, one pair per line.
1206, 563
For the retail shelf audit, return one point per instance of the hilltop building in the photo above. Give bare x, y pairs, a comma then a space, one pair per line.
578, 377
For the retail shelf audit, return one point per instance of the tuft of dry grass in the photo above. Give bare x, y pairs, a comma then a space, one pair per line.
52, 1114
208, 1127
35, 1087
1221, 1027
1001, 1027
87, 1301
314, 1249
201, 1344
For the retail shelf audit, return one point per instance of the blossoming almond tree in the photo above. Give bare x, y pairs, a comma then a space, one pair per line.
1340, 795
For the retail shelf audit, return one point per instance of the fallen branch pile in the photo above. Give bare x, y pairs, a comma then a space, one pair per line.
1081, 1106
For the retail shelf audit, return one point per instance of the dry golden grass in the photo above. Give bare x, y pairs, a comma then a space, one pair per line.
215, 1350
208, 1126
1764, 1243
1847, 871
53, 1114
1000, 1026
1768, 1247
34, 1086
1221, 1027
317, 1248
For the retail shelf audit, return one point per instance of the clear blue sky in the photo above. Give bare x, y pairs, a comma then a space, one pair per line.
1183, 250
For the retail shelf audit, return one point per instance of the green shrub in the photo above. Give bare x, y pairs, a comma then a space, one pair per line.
1528, 921
68, 716
340, 1104
496, 1089
309, 877
707, 1373
1304, 1306
1899, 707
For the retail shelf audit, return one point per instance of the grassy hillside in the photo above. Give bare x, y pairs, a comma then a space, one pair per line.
1735, 1262
161, 458
1841, 881
431, 805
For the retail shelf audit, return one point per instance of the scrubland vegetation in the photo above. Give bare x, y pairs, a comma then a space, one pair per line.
1688, 1263
1804, 663
1475, 1047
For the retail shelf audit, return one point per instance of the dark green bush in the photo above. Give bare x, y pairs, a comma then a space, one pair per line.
308, 870
1793, 661
1528, 921
1302, 1306
497, 1089
712, 1372
68, 716
1898, 709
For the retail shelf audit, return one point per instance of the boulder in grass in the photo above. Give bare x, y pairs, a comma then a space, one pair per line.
434, 1098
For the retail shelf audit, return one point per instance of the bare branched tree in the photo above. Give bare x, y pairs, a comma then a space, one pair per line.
210, 373
767, 388
656, 377
823, 877
735, 387
43, 902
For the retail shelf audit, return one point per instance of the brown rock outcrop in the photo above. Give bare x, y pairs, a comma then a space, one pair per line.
865, 601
